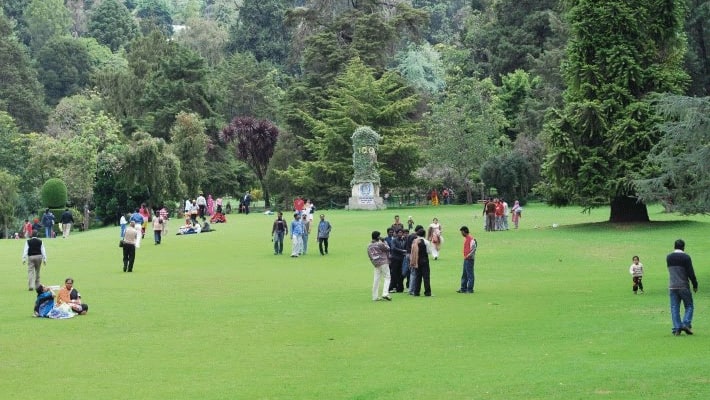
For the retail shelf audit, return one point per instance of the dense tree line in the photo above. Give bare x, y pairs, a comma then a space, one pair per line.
132, 101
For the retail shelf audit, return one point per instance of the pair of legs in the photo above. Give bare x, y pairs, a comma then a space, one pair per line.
467, 277
278, 243
382, 272
396, 276
686, 297
66, 228
422, 274
157, 235
296, 245
323, 245
34, 263
638, 284
129, 256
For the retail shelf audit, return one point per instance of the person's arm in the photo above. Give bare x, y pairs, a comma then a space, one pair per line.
273, 228
44, 254
25, 251
691, 274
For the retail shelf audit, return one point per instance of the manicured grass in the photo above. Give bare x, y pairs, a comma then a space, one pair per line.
218, 316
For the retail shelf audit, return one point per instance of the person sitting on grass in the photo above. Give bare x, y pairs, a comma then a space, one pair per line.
69, 295
44, 302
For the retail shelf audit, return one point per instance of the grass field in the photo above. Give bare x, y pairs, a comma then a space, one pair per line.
218, 316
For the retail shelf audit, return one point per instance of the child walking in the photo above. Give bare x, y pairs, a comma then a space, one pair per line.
636, 271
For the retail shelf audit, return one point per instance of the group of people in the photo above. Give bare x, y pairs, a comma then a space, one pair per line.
496, 212
300, 229
66, 303
47, 222
403, 256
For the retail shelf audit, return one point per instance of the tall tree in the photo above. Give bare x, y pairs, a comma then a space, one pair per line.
9, 200
680, 161
189, 143
21, 94
387, 105
620, 52
46, 19
153, 169
111, 24
154, 15
464, 129
179, 84
244, 86
64, 68
261, 31
255, 141
698, 57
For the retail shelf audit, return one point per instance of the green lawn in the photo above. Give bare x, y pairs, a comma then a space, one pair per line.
218, 316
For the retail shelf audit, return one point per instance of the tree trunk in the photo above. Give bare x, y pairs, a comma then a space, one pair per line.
628, 209
267, 196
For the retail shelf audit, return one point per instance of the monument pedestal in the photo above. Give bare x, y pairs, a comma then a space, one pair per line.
366, 196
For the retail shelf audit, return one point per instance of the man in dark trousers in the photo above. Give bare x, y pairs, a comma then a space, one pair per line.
246, 200
680, 271
34, 255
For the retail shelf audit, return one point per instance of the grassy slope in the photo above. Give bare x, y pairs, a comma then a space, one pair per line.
218, 316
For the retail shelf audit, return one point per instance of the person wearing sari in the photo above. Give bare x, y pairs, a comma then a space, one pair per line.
44, 302
69, 295
435, 238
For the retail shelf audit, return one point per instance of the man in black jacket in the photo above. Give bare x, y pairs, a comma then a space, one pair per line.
680, 271
67, 219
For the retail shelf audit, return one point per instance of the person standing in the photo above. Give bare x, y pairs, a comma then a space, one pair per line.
67, 219
165, 216
144, 211
137, 219
27, 229
296, 235
201, 205
34, 255
469, 255
129, 246
517, 213
306, 231
489, 209
420, 263
397, 253
378, 251
48, 223
246, 201
324, 228
636, 271
680, 272
506, 211
124, 223
278, 230
157, 228
397, 224
435, 238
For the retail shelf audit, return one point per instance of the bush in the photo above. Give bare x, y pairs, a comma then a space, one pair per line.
54, 193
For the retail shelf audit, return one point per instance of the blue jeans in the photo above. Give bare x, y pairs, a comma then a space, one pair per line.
678, 295
278, 242
467, 277
304, 237
48, 232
